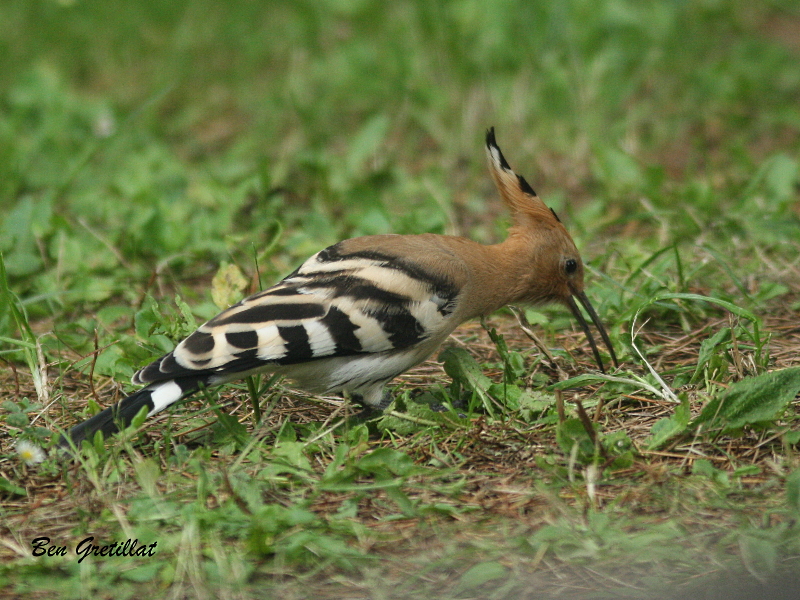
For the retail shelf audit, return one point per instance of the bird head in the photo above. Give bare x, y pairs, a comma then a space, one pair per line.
554, 271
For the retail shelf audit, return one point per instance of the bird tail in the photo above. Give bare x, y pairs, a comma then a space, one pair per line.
155, 398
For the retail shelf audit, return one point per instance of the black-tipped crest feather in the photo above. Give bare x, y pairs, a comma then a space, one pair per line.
491, 143
526, 187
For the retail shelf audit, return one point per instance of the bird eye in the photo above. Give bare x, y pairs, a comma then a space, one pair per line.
570, 266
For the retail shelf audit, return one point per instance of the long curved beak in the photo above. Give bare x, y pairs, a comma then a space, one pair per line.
585, 326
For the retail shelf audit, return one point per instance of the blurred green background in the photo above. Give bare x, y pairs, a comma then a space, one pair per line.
142, 144
146, 146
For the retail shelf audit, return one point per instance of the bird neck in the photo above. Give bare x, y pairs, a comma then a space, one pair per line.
500, 274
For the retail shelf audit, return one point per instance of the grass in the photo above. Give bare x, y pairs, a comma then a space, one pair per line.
159, 160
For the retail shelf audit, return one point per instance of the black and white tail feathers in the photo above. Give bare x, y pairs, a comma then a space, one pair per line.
154, 398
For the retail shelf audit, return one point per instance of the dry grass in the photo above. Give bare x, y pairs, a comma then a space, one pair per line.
503, 470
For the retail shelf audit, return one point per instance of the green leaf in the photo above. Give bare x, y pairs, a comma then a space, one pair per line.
230, 428
481, 573
383, 459
618, 169
110, 362
416, 415
189, 323
753, 400
147, 472
143, 573
664, 430
572, 432
498, 340
706, 469
708, 348
758, 554
7, 486
139, 419
580, 381
508, 393
270, 520
459, 364
293, 453
781, 177
228, 286
531, 404
793, 491
402, 500
18, 420
15, 342
740, 312
12, 303
619, 444
366, 142
746, 471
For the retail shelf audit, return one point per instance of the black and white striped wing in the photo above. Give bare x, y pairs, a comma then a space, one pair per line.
335, 304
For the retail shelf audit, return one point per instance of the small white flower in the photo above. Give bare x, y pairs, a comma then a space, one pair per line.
29, 453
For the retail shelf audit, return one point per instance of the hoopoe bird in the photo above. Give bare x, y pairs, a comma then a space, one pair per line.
359, 313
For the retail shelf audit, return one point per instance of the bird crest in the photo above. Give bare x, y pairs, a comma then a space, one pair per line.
527, 209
